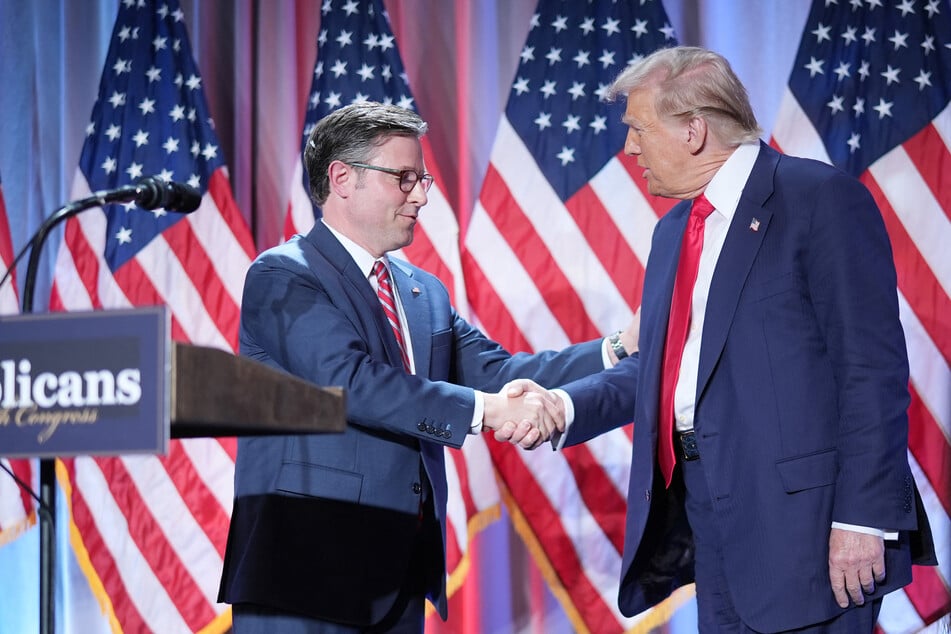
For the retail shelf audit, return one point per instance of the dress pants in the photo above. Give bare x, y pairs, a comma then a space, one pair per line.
715, 611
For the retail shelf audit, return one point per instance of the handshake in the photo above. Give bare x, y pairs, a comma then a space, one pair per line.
523, 413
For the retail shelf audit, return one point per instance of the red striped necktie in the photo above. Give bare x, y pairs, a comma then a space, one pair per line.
687, 269
384, 291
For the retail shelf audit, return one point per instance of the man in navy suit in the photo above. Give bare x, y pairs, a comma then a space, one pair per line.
346, 533
770, 441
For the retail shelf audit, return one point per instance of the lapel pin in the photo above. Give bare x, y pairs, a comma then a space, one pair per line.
415, 290
754, 225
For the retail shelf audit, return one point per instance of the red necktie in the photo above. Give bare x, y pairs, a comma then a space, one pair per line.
385, 293
677, 330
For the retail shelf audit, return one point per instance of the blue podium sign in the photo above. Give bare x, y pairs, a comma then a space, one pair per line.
88, 383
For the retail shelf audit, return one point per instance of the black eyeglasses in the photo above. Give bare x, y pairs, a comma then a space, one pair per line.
408, 178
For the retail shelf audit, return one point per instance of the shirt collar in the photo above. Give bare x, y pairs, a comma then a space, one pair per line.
361, 256
727, 184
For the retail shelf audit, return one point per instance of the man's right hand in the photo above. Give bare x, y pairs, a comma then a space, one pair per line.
523, 413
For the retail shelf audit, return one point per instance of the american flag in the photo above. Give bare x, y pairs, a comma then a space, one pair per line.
17, 511
554, 254
357, 60
869, 93
150, 532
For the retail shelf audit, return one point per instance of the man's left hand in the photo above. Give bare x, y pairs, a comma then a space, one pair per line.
856, 564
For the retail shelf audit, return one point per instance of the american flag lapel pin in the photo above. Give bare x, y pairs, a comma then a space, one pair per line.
415, 290
754, 225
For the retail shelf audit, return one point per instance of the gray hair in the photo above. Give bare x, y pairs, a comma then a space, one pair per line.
694, 82
350, 134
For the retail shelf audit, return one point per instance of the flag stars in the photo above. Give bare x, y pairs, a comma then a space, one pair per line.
122, 66
859, 107
842, 71
873, 4
386, 42
854, 143
159, 43
567, 155
117, 99
195, 148
611, 27
405, 102
835, 105
884, 108
543, 120
178, 15
560, 23
350, 8
927, 44
141, 138
668, 32
598, 124
134, 171
527, 54
571, 123
193, 82
639, 28
891, 75
815, 67
339, 68
520, 86
387, 72
849, 35
372, 41
345, 38
163, 11
602, 92
366, 72
898, 40
194, 181
125, 33
191, 115
177, 113
553, 56
864, 70
906, 7
577, 90
91, 128
549, 88
170, 145
153, 74
582, 59
322, 37
606, 59
113, 132
109, 165
587, 26
147, 106
124, 235
333, 100
165, 175
932, 7
210, 152
822, 33
923, 80
868, 36
179, 80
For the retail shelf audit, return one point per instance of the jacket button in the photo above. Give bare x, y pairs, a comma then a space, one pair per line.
421, 426
430, 429
417, 489
447, 434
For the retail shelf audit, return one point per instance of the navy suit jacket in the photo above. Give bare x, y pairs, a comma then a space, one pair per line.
324, 525
801, 400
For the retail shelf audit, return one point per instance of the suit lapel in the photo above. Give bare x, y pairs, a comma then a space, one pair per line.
415, 304
743, 240
359, 287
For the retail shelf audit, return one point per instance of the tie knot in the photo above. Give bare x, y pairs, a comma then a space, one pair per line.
379, 270
701, 207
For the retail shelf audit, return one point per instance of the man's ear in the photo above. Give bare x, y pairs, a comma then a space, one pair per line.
696, 134
342, 178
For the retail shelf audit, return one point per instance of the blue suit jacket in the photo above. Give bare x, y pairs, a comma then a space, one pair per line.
801, 400
324, 525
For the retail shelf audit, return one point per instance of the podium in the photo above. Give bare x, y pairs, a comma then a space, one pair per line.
214, 393
112, 382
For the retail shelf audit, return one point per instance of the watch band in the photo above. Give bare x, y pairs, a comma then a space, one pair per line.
616, 345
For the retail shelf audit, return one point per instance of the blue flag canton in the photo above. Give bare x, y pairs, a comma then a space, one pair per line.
574, 52
150, 118
357, 60
870, 74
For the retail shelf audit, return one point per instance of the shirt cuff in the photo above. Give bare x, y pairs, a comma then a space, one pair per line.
889, 535
558, 437
478, 412
605, 356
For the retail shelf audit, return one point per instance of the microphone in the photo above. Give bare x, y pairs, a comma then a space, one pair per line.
151, 193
